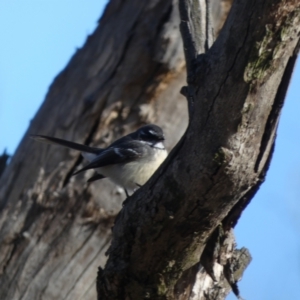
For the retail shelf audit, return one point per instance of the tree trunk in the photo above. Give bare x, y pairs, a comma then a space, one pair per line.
235, 93
55, 229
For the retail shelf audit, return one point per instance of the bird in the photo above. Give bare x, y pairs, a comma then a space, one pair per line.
128, 162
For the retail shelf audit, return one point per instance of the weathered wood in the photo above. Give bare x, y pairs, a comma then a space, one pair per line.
232, 91
221, 267
3, 161
55, 228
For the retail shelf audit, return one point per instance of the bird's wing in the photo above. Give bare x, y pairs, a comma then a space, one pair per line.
124, 153
68, 144
96, 177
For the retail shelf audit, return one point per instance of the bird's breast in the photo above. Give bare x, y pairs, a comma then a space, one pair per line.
135, 173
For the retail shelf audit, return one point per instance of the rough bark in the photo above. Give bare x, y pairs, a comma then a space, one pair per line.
3, 161
235, 97
54, 228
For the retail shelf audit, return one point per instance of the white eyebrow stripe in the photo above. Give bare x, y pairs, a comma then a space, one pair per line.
152, 132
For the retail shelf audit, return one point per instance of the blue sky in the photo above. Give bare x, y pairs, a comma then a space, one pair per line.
37, 40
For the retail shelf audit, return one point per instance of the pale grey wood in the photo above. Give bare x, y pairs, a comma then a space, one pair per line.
55, 229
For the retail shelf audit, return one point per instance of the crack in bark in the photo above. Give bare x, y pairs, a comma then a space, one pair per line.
228, 72
11, 254
71, 258
16, 173
33, 212
45, 258
92, 286
108, 240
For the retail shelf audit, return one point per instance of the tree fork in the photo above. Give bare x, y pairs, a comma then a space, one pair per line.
55, 229
222, 157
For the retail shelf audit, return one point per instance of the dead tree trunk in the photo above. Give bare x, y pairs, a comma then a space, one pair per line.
55, 229
235, 93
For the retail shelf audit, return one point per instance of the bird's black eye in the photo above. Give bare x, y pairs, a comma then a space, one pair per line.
151, 133
148, 134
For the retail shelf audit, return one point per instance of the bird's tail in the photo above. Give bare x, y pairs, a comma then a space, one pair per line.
64, 143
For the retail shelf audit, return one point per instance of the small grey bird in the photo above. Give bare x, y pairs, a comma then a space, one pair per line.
129, 161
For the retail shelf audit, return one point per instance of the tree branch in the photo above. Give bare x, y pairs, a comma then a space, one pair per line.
196, 29
53, 224
219, 160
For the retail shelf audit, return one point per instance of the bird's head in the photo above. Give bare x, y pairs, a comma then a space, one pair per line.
151, 134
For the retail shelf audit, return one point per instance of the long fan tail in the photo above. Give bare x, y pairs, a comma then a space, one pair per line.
64, 143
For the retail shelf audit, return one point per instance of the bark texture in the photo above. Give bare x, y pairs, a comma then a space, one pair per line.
3, 161
55, 229
235, 96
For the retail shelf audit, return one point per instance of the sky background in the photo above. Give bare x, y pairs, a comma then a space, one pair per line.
38, 39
